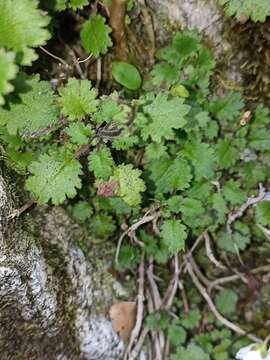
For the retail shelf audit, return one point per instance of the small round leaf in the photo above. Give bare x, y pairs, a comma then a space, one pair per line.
126, 75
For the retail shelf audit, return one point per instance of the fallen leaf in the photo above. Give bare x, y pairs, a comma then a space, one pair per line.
123, 317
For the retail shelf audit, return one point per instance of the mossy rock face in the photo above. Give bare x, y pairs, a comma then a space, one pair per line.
53, 301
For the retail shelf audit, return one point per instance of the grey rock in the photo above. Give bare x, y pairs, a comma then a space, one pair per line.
53, 299
206, 17
203, 15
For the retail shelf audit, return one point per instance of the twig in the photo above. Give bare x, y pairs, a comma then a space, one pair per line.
235, 277
198, 272
84, 60
153, 287
184, 296
221, 318
150, 309
54, 56
167, 349
99, 72
17, 212
265, 231
159, 338
76, 63
145, 219
251, 201
189, 254
210, 253
139, 344
172, 288
140, 308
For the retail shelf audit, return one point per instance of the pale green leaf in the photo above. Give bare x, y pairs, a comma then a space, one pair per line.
155, 151
22, 28
191, 208
173, 235
227, 154
54, 177
8, 71
73, 4
126, 74
95, 36
102, 225
35, 113
259, 139
191, 319
111, 111
237, 241
176, 334
202, 157
219, 204
174, 175
228, 108
77, 99
257, 11
164, 74
101, 163
130, 184
79, 133
165, 115
125, 140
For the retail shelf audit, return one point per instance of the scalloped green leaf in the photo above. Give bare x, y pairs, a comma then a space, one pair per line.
8, 71
78, 99
54, 176
95, 36
36, 114
22, 28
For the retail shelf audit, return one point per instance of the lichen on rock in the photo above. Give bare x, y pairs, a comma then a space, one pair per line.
48, 290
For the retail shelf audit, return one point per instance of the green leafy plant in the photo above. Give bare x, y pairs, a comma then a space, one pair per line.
257, 11
78, 99
8, 72
22, 28
168, 162
95, 36
126, 74
177, 168
73, 4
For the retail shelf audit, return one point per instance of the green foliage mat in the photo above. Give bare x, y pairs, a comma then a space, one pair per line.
162, 152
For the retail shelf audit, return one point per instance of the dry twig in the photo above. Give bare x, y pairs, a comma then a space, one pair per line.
251, 201
17, 212
62, 61
153, 288
145, 219
184, 296
190, 252
213, 284
139, 344
265, 231
140, 308
236, 328
209, 252
172, 288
